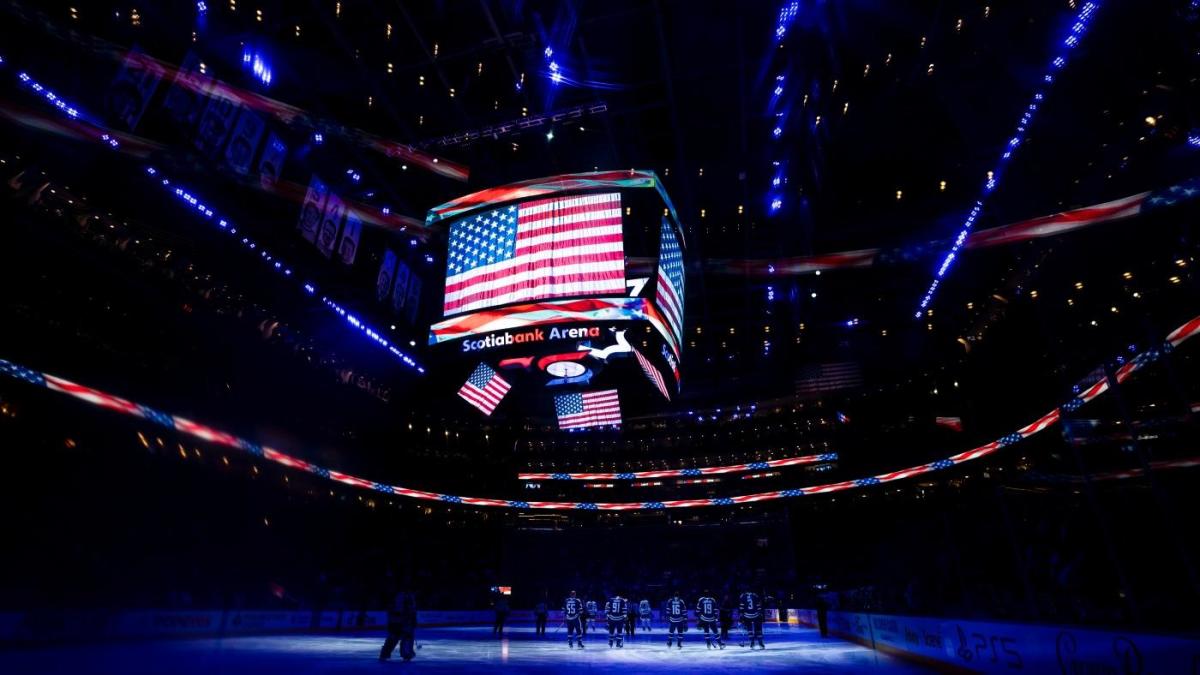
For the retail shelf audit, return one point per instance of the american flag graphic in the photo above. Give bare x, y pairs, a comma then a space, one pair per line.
652, 373
589, 409
206, 433
547, 248
484, 389
538, 314
670, 280
93, 396
953, 423
826, 377
21, 373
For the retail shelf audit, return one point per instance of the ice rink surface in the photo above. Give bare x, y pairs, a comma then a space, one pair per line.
453, 650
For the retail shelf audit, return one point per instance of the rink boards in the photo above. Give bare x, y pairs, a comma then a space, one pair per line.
981, 646
1003, 647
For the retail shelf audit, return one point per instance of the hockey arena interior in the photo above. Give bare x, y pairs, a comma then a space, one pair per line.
534, 336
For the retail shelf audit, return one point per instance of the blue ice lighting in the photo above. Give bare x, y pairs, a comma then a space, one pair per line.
1078, 27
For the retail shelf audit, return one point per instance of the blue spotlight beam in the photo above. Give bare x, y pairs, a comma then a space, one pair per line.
787, 15
1077, 29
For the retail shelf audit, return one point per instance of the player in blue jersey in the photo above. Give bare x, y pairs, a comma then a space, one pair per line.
589, 615
616, 611
402, 627
750, 611
644, 614
676, 619
707, 615
573, 618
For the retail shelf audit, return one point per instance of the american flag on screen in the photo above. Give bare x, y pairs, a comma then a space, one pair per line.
670, 279
484, 389
589, 409
546, 248
652, 373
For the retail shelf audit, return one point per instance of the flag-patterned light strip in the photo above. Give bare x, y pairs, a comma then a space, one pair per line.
697, 471
103, 399
755, 476
543, 187
697, 481
287, 114
1051, 225
206, 210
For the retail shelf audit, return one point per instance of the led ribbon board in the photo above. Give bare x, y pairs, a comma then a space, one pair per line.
226, 439
696, 471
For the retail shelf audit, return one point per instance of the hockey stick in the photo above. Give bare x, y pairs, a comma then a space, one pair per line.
741, 630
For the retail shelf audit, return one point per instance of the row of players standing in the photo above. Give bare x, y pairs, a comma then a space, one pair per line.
712, 617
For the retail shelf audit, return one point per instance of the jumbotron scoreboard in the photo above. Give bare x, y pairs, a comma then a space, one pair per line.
563, 296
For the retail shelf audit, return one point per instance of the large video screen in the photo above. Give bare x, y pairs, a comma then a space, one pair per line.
558, 247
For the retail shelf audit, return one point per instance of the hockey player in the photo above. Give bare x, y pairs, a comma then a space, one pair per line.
589, 615
644, 614
540, 614
676, 619
616, 610
573, 618
402, 627
707, 615
750, 611
726, 614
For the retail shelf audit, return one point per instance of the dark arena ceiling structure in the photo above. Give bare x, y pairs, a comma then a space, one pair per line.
621, 256
322, 318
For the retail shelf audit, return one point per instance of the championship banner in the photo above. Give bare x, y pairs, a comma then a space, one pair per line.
239, 154
131, 91
215, 126
348, 246
413, 299
312, 209
189, 90
387, 272
270, 165
331, 225
400, 286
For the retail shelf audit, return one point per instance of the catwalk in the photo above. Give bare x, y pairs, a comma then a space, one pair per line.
452, 650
